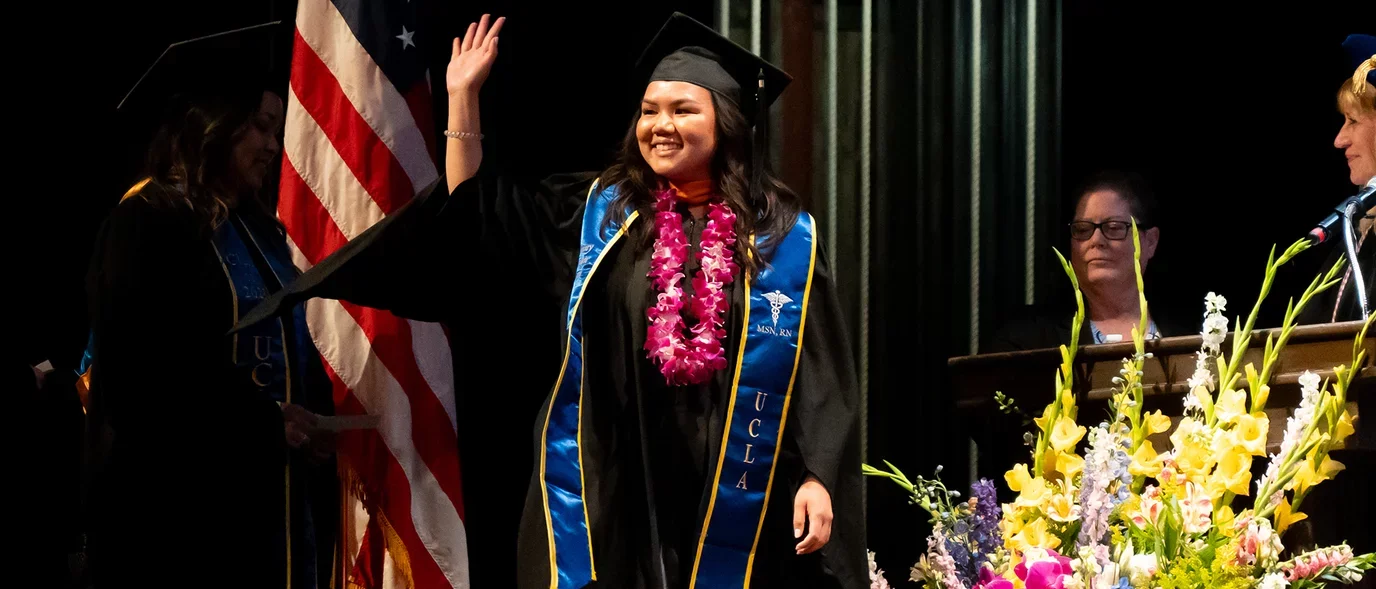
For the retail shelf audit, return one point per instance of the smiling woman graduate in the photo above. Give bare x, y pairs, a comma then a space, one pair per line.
703, 427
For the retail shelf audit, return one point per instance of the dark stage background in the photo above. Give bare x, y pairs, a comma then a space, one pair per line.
1228, 110
1231, 114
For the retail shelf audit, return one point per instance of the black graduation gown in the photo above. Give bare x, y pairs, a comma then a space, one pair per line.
650, 450
1339, 303
1048, 326
194, 489
1332, 518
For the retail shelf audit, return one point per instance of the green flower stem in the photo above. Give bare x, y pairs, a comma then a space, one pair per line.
1226, 500
1319, 434
1065, 377
1242, 336
1333, 412
1288, 470
1292, 312
940, 507
1134, 376
1297, 500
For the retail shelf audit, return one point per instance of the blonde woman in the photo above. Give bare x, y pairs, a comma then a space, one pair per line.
1357, 140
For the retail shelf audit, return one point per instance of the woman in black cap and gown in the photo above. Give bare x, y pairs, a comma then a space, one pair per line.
703, 428
216, 474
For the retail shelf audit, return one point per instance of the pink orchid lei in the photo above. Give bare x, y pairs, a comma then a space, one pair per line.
691, 359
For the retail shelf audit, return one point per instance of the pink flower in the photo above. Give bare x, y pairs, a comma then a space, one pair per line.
989, 580
997, 583
1196, 509
1257, 543
1039, 569
877, 580
1148, 512
1311, 564
1169, 473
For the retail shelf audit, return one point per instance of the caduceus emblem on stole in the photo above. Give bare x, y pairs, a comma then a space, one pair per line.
777, 300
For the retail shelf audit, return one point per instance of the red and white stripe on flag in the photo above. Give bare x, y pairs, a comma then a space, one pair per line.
357, 148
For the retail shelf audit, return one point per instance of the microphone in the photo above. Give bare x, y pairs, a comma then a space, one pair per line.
1328, 227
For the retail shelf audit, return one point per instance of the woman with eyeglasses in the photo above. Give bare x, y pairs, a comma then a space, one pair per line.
1101, 253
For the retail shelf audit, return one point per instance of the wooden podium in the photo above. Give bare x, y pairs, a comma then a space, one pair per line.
1029, 377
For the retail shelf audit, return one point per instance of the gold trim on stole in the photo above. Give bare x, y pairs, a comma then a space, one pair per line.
783, 417
549, 408
286, 358
726, 431
234, 303
730, 413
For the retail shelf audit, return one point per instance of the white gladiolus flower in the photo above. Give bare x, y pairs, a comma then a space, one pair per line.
1309, 383
1191, 403
1273, 581
1215, 303
1215, 331
1294, 428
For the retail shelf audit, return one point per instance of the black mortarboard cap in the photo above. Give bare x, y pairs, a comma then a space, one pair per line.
1360, 48
225, 62
686, 50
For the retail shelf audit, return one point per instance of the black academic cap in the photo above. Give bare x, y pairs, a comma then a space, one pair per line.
1360, 48
686, 50
233, 61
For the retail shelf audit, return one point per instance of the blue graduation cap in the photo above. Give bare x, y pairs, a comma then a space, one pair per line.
1361, 54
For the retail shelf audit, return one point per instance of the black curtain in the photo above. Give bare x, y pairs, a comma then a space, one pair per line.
931, 162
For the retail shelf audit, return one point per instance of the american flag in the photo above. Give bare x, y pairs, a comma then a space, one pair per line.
359, 144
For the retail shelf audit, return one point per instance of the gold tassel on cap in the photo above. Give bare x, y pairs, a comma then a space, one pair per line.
1359, 77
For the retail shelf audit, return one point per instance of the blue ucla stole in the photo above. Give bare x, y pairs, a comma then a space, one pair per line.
765, 369
772, 330
258, 351
561, 460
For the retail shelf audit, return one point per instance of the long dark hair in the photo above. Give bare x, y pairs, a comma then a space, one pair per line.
769, 215
190, 158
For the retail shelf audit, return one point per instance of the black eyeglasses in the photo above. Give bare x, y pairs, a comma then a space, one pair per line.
1112, 230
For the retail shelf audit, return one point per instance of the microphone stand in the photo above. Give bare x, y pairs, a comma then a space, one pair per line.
1349, 210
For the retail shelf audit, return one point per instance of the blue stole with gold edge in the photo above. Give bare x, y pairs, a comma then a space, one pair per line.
259, 351
767, 363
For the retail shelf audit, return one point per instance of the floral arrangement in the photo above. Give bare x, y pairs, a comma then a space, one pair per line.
1125, 514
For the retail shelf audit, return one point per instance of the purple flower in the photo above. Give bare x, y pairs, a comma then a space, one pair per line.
960, 556
985, 532
1105, 482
